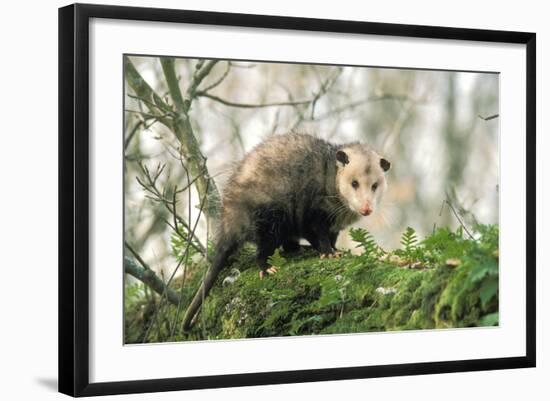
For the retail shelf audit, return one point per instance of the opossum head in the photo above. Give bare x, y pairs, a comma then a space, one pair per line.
361, 178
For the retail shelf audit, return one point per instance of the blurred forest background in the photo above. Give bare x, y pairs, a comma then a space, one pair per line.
187, 122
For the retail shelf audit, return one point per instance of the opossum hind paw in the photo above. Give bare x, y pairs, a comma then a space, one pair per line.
333, 255
270, 271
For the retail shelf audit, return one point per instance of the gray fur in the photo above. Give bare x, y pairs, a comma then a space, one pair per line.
277, 171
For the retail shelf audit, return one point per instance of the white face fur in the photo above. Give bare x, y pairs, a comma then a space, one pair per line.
360, 178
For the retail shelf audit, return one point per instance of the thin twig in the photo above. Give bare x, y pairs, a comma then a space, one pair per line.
184, 275
157, 311
147, 116
488, 118
198, 76
360, 102
459, 219
132, 133
150, 187
174, 208
219, 80
324, 88
186, 253
163, 107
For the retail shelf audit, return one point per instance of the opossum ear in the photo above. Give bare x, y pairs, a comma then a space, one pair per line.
385, 164
342, 157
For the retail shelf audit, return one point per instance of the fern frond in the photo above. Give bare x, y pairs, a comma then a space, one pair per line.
366, 241
276, 259
409, 240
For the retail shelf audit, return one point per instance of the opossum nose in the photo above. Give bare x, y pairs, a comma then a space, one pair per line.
365, 210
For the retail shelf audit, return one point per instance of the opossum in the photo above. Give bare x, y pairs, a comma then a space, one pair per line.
292, 187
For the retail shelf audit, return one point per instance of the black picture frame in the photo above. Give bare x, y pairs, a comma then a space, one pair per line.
74, 194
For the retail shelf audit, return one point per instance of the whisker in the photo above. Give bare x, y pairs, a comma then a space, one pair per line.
337, 211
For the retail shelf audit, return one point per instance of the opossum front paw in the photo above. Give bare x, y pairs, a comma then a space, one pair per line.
270, 270
332, 255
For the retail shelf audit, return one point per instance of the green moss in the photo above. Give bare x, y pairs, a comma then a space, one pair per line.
347, 295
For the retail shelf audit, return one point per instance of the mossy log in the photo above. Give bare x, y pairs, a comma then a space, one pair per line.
450, 287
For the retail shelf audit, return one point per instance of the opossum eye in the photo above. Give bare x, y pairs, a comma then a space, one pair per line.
374, 187
385, 164
355, 184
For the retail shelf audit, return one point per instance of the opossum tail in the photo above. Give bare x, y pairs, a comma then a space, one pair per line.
224, 249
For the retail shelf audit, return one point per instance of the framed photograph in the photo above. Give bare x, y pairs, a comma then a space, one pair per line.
252, 199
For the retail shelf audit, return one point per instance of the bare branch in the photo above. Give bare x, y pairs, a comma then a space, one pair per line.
181, 126
199, 75
178, 122
144, 91
324, 88
251, 105
169, 69
148, 277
